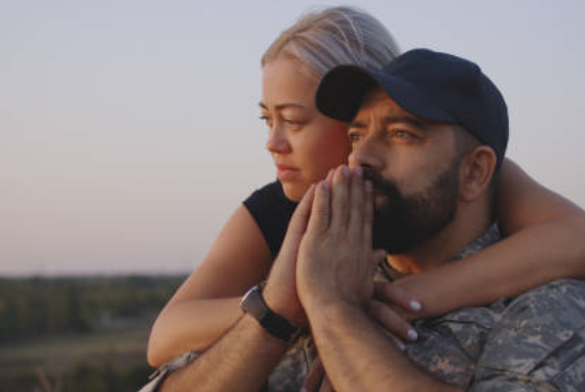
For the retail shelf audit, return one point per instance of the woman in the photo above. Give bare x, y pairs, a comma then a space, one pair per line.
543, 227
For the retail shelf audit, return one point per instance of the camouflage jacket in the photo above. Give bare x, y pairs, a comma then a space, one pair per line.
534, 342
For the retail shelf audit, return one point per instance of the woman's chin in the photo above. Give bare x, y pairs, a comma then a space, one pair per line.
294, 191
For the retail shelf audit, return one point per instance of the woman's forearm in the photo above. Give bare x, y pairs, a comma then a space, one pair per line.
190, 325
206, 304
529, 258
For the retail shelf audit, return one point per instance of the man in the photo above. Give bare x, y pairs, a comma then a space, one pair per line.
429, 133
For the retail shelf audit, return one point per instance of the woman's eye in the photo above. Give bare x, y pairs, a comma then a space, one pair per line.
265, 119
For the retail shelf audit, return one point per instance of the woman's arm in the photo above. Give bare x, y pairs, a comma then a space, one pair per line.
545, 243
206, 305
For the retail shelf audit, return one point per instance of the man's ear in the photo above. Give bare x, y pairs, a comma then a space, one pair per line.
477, 170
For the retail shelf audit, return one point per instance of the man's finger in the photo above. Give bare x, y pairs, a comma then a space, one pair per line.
357, 202
368, 221
339, 199
298, 222
329, 178
320, 211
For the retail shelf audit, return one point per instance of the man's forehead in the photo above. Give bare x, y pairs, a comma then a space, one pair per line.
379, 99
378, 103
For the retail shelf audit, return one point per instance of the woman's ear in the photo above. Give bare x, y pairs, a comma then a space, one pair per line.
477, 170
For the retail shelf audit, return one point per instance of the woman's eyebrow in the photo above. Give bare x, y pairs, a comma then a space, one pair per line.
283, 106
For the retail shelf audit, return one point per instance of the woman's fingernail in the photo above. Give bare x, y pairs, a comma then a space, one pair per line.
324, 185
400, 345
358, 171
412, 335
415, 305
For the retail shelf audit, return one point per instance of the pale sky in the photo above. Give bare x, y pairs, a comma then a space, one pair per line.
129, 129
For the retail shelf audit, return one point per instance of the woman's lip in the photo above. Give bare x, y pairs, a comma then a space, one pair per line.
285, 167
285, 173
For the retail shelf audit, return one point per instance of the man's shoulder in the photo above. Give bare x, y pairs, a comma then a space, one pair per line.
539, 338
562, 300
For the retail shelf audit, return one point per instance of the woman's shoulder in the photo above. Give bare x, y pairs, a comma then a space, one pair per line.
272, 211
269, 196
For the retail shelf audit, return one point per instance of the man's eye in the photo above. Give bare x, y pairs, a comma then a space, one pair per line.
354, 137
402, 134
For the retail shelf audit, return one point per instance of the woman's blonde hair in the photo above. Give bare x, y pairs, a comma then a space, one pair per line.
324, 39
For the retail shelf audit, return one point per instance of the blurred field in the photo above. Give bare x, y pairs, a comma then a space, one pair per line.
100, 342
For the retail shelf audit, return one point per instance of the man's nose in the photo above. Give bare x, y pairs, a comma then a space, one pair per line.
277, 141
366, 153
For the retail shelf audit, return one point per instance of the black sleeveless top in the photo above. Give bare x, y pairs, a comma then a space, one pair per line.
272, 212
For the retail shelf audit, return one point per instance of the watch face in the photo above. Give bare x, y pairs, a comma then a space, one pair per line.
273, 323
252, 303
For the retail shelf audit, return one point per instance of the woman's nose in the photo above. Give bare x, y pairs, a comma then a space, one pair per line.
277, 141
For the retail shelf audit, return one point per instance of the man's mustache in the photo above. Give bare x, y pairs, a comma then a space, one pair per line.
381, 185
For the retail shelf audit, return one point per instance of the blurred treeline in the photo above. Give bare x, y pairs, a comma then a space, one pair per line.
78, 333
41, 306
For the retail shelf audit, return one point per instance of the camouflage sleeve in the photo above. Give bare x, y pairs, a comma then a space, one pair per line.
160, 374
539, 344
157, 378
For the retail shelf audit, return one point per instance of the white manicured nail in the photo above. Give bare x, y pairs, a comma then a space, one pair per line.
415, 305
412, 335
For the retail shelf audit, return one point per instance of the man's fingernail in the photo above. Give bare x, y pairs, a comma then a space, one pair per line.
345, 171
369, 186
415, 305
412, 334
400, 345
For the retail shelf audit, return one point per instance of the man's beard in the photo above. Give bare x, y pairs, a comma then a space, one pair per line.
403, 222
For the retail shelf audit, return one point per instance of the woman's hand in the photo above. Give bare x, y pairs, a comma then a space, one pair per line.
394, 309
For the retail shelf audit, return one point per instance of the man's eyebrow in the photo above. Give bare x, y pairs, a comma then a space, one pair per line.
284, 106
420, 124
357, 124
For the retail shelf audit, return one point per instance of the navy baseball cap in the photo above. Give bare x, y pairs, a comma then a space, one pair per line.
432, 85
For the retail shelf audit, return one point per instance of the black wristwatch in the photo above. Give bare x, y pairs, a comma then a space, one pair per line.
253, 303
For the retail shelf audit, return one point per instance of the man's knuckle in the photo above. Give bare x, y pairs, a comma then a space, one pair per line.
321, 211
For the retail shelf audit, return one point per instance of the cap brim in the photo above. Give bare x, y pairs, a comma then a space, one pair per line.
342, 90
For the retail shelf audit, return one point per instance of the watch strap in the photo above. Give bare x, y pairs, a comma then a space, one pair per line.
275, 324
